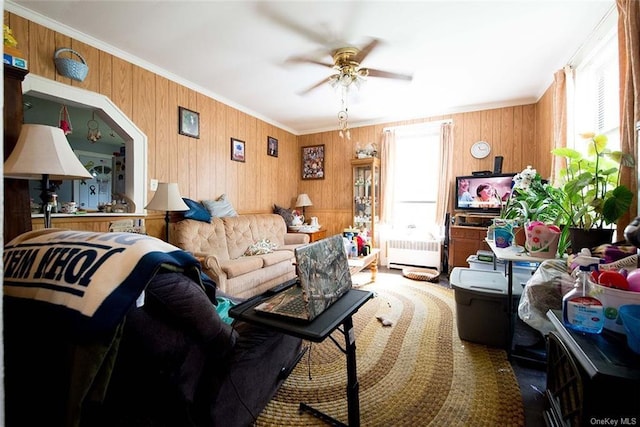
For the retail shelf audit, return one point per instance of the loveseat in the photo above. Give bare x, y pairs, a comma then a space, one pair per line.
245, 255
132, 340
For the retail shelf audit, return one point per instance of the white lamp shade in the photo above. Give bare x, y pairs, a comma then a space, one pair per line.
167, 198
43, 150
303, 200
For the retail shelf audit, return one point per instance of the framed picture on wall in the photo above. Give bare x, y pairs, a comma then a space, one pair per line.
188, 122
272, 146
313, 162
237, 150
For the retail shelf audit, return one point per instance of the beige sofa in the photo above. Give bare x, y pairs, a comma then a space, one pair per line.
221, 246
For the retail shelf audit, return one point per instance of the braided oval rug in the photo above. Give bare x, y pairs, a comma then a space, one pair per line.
416, 372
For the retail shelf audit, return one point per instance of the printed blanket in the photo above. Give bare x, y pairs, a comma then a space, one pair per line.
97, 276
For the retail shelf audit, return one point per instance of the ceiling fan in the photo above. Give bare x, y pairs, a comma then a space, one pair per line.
346, 62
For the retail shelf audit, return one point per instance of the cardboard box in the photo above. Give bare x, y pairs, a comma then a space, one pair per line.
15, 61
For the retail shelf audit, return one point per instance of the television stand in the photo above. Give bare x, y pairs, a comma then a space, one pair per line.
474, 219
467, 236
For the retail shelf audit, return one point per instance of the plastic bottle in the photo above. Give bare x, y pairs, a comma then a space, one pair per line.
580, 311
347, 246
354, 247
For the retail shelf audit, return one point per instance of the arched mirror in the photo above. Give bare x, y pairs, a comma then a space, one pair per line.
106, 141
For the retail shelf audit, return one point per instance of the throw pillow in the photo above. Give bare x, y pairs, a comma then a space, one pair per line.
220, 207
196, 211
261, 247
286, 214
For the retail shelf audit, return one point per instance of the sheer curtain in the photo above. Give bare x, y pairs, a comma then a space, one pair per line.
559, 117
387, 173
629, 51
387, 183
446, 166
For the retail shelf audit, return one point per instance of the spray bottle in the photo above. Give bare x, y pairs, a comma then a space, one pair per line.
580, 311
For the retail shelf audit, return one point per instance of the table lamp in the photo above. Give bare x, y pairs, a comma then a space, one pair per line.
43, 152
302, 201
167, 198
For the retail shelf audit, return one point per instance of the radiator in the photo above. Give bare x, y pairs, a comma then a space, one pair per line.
421, 253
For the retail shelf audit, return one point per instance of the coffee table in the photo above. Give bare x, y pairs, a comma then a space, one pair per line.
358, 264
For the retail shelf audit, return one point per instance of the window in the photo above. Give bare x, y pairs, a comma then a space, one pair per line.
417, 176
597, 96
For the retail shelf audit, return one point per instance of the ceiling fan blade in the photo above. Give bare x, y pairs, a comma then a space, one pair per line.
366, 51
288, 24
386, 74
300, 59
320, 83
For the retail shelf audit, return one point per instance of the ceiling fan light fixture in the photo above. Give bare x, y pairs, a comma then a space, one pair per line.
346, 79
348, 72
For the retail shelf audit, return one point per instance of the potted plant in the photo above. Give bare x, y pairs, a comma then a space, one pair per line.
594, 196
533, 199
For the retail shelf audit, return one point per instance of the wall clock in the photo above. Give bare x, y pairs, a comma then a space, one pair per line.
480, 149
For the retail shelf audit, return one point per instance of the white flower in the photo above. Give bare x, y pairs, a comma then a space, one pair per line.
524, 179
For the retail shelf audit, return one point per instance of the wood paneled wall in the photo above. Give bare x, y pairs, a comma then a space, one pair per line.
203, 168
513, 132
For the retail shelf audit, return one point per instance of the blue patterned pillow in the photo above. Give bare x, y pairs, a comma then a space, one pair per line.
196, 211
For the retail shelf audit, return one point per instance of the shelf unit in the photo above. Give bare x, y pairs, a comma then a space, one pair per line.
366, 195
17, 219
466, 237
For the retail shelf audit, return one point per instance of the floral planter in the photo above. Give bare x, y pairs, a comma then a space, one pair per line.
542, 239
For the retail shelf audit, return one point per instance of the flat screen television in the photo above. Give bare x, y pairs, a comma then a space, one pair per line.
483, 193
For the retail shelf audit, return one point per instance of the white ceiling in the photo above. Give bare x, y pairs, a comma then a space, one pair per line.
463, 55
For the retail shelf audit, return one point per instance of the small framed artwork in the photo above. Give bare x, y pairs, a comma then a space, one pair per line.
313, 162
272, 146
237, 150
188, 123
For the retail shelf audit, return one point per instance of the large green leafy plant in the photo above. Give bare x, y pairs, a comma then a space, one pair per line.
594, 196
533, 199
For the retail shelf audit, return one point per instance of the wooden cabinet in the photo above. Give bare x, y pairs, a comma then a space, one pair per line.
315, 235
17, 209
467, 239
366, 195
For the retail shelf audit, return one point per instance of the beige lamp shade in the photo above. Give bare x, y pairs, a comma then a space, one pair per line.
303, 200
167, 198
43, 150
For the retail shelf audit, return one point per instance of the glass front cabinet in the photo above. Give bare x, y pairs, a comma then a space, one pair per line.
366, 195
